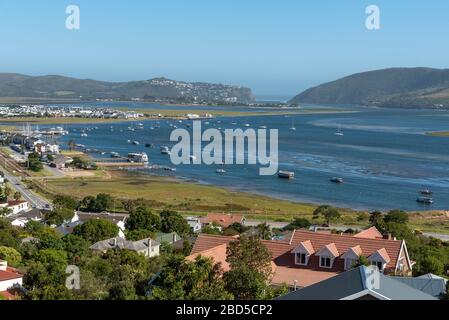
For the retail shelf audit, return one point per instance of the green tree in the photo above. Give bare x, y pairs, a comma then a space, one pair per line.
58, 216
298, 223
397, 216
171, 221
327, 212
264, 231
139, 234
144, 219
65, 202
430, 264
245, 284
11, 255
76, 247
17, 196
96, 230
34, 162
190, 280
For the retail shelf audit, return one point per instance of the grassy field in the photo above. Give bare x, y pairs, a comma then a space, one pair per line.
196, 199
438, 134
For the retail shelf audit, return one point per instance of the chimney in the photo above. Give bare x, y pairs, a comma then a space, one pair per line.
3, 265
295, 287
388, 236
174, 237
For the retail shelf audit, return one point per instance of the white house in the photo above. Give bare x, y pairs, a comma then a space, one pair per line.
117, 218
9, 278
16, 206
147, 247
194, 223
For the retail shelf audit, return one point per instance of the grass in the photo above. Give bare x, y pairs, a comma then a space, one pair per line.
438, 134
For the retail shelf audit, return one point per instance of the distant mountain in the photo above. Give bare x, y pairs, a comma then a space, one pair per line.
394, 87
18, 85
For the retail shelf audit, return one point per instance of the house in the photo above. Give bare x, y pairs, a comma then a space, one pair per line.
194, 223
223, 220
10, 279
16, 206
61, 162
171, 238
147, 247
308, 257
22, 218
428, 283
118, 219
361, 283
68, 227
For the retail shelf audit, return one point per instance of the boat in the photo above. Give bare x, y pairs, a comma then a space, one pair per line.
426, 192
221, 171
138, 157
425, 200
115, 155
339, 132
247, 125
83, 134
293, 128
149, 145
192, 157
165, 150
136, 143
337, 180
286, 174
263, 127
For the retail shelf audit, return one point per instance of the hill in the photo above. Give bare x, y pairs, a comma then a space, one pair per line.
394, 87
53, 86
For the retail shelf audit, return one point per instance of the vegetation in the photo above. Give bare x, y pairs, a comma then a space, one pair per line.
327, 212
34, 162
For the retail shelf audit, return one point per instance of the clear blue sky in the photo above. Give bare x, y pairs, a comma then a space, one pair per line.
274, 47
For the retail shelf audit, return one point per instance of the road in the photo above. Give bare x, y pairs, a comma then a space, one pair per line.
27, 194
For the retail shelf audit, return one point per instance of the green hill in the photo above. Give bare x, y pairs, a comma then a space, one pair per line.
394, 87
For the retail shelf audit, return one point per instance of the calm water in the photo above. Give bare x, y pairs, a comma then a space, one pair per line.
383, 157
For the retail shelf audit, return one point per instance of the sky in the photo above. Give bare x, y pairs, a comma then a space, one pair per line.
275, 47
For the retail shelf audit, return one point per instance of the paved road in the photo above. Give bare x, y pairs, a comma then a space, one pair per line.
27, 194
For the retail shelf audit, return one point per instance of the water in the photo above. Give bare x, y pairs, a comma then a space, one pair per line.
384, 156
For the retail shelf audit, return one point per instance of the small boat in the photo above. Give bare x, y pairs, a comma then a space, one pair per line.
286, 174
165, 150
337, 180
339, 132
247, 125
115, 155
149, 145
83, 134
221, 171
136, 143
425, 200
426, 192
293, 128
129, 141
263, 127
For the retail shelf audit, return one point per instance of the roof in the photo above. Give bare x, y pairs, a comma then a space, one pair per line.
344, 242
121, 243
31, 214
113, 217
225, 220
432, 286
67, 228
357, 283
167, 237
15, 202
10, 274
217, 253
207, 241
370, 233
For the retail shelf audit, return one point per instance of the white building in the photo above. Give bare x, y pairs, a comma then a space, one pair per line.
16, 206
9, 278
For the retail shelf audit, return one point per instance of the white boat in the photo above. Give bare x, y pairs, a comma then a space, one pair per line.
263, 127
83, 134
247, 125
138, 157
286, 174
165, 150
136, 143
293, 128
339, 132
221, 171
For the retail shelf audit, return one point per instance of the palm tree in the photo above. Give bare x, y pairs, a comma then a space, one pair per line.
264, 231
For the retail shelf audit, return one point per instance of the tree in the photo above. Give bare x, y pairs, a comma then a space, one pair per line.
17, 195
250, 269
75, 246
144, 219
376, 219
190, 280
66, 202
329, 213
397, 216
7, 191
58, 216
139, 234
34, 162
430, 264
96, 230
99, 203
11, 255
171, 221
298, 223
264, 231
362, 261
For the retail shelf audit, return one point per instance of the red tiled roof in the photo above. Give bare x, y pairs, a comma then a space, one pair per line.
344, 242
207, 241
218, 254
10, 274
357, 250
383, 253
225, 220
370, 233
15, 202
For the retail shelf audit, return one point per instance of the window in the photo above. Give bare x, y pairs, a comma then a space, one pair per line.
301, 259
325, 262
378, 264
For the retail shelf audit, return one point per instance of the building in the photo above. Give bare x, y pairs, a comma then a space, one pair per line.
16, 206
360, 283
195, 224
21, 219
170, 238
428, 283
308, 257
10, 279
118, 219
222, 220
147, 247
